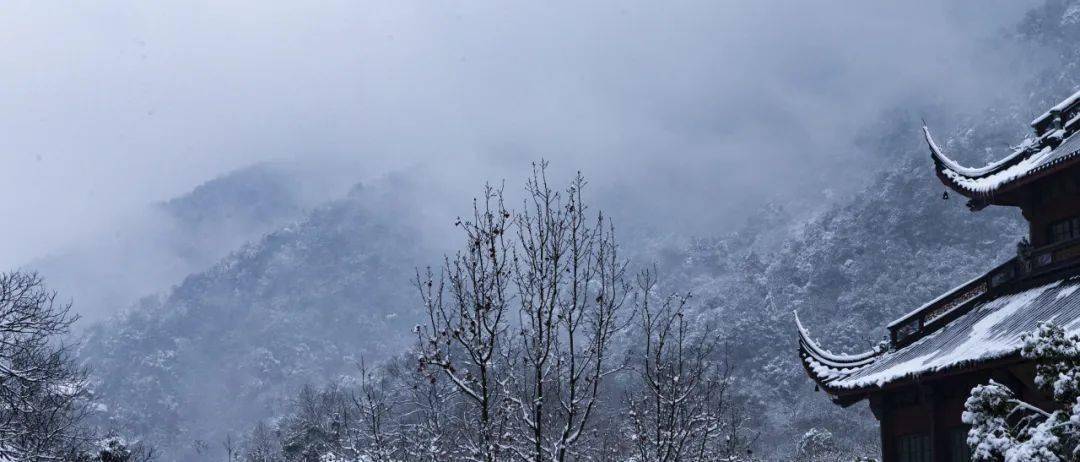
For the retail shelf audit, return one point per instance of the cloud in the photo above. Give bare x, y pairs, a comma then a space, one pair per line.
687, 112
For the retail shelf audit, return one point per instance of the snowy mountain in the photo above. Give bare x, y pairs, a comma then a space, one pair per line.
160, 245
872, 258
304, 304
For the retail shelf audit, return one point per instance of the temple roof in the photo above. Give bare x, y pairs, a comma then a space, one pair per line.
1053, 144
990, 329
979, 324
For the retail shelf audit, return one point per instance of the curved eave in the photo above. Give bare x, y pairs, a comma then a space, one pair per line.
944, 160
824, 366
957, 177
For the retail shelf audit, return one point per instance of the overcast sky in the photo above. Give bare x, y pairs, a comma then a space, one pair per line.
697, 107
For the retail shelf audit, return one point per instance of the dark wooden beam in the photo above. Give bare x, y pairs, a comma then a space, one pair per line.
885, 429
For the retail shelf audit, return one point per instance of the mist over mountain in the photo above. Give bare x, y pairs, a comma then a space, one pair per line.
874, 256
158, 246
303, 304
206, 313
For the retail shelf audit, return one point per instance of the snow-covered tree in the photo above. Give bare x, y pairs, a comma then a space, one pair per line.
262, 445
41, 389
683, 408
819, 445
115, 449
1004, 427
523, 319
467, 329
393, 412
569, 288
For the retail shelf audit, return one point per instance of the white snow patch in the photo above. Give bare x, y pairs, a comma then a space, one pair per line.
1071, 15
972, 171
1066, 292
983, 342
1067, 101
991, 182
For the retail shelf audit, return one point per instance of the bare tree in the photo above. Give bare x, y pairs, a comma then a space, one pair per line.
40, 387
423, 414
491, 386
229, 445
378, 431
318, 425
262, 445
537, 377
393, 413
682, 410
570, 287
467, 310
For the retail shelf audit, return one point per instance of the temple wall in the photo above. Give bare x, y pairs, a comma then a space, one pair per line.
922, 422
1049, 203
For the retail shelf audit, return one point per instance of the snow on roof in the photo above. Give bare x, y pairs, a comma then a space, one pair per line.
1058, 108
1051, 145
990, 330
1028, 158
970, 171
953, 291
829, 358
8, 453
994, 181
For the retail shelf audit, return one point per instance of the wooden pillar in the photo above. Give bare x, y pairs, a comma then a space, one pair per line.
939, 430
880, 406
